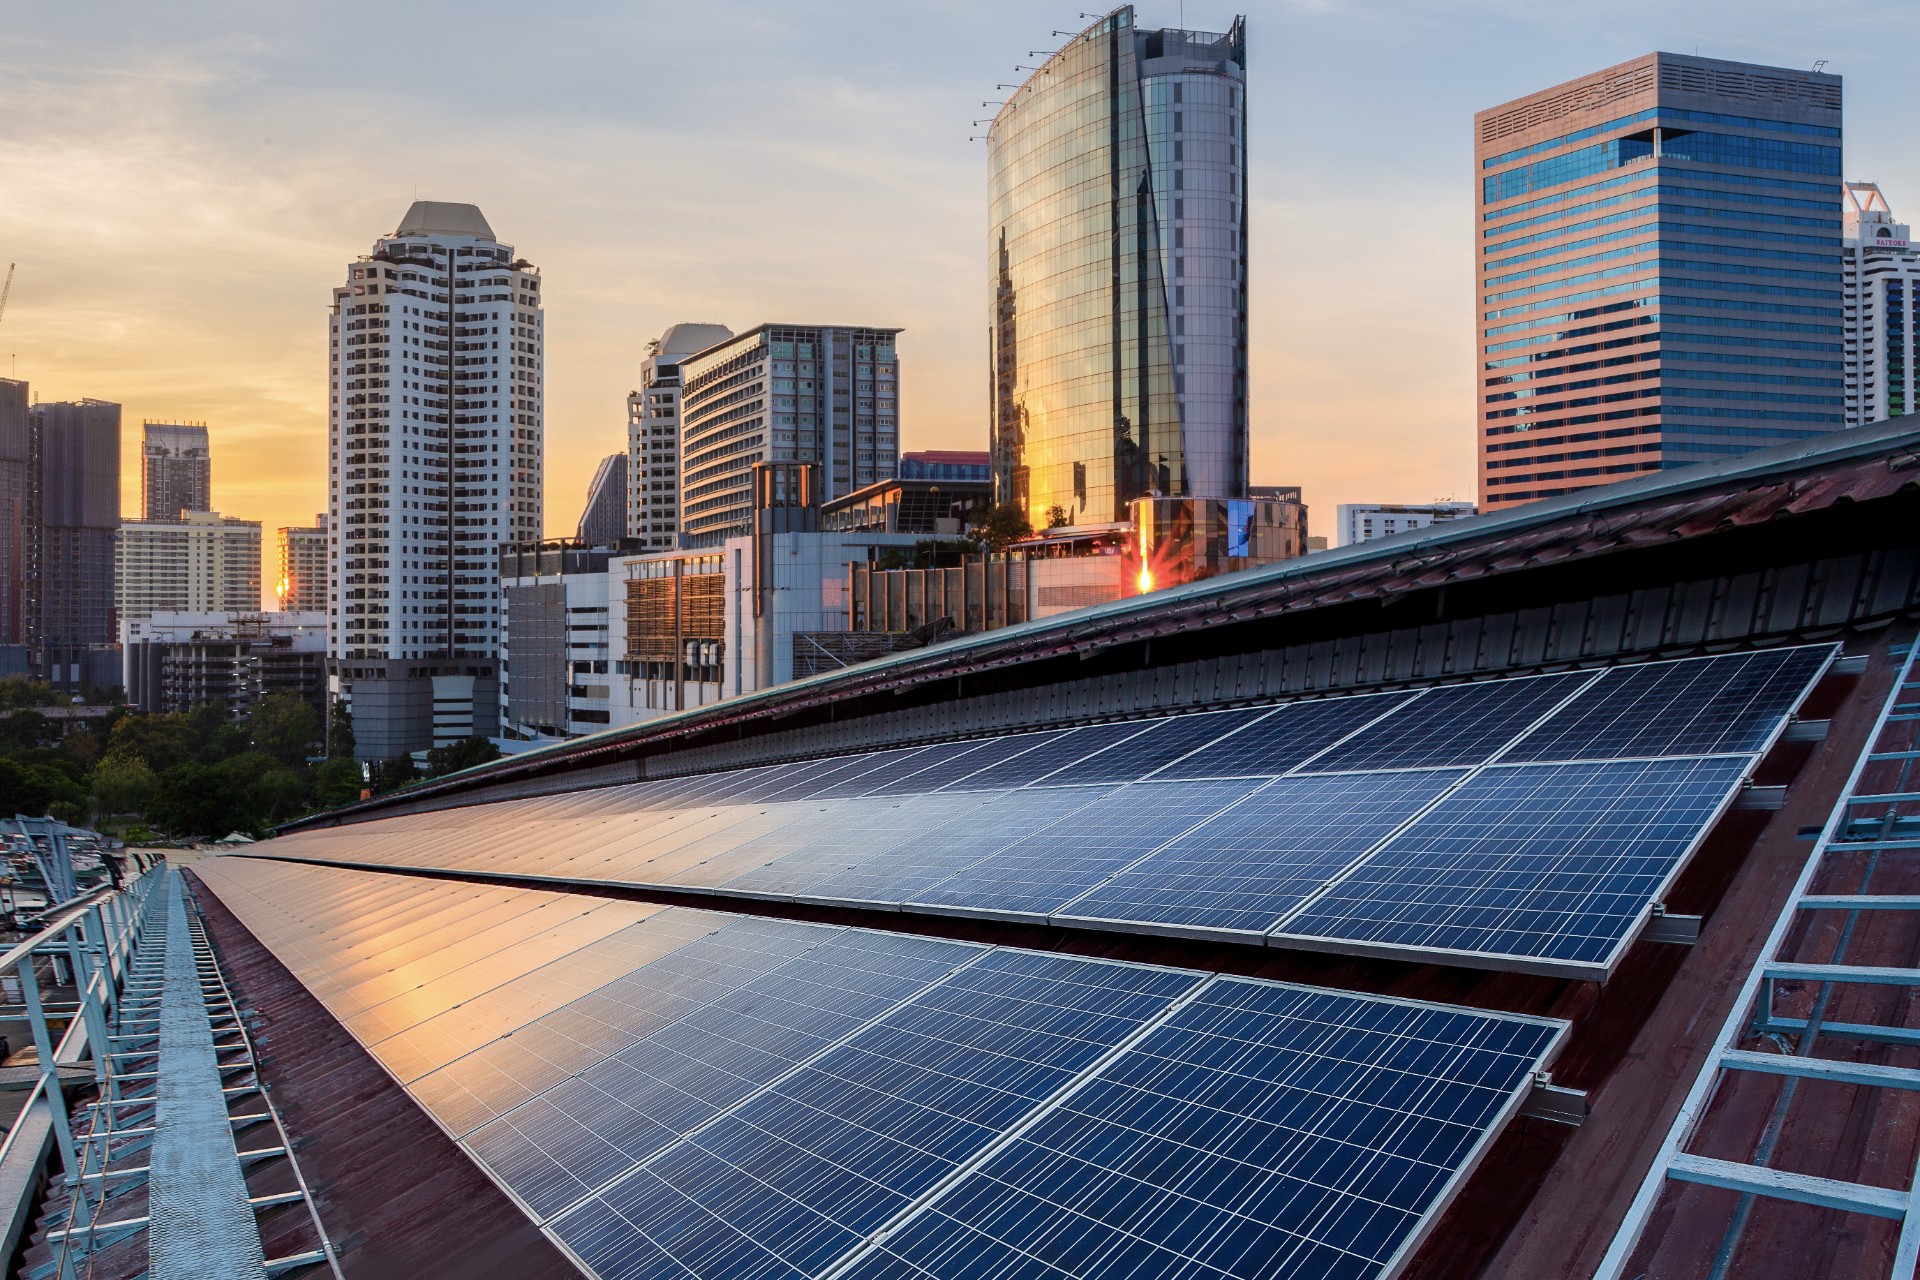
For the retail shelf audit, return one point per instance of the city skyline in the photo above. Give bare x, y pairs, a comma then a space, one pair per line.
256, 213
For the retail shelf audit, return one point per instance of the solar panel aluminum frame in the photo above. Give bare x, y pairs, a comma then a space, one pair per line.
1409, 1247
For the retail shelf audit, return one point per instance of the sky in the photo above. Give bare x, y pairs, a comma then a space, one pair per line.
188, 181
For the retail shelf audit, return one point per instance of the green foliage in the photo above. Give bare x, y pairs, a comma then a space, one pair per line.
1002, 526
928, 553
340, 741
285, 726
161, 741
247, 793
463, 754
123, 784
35, 789
23, 731
336, 782
18, 692
391, 774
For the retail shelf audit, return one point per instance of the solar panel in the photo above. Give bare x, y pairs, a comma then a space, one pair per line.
1245, 869
1553, 862
910, 869
766, 1098
561, 1145
1046, 756
1039, 874
1263, 1132
1163, 742
793, 1179
1697, 706
1458, 724
939, 765
1276, 743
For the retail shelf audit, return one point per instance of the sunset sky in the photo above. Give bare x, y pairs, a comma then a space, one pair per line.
186, 182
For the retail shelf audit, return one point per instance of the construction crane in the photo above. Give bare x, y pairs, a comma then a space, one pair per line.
6, 289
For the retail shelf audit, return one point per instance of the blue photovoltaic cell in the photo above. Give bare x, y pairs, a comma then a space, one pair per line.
500, 1075
1048, 754
1263, 1132
1549, 861
1278, 742
1163, 742
880, 766
909, 869
1266, 855
1045, 871
1458, 724
794, 1178
941, 764
595, 1127
1698, 706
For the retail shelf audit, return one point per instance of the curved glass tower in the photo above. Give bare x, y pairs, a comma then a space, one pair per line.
1118, 267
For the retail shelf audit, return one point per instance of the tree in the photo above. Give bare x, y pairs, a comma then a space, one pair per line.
285, 726
1057, 517
340, 743
161, 741
463, 754
1004, 525
123, 784
18, 693
390, 774
337, 782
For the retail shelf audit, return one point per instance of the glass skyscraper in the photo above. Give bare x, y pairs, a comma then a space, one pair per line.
1117, 262
1659, 272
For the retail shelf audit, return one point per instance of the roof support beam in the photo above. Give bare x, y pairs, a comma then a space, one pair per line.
1827, 1193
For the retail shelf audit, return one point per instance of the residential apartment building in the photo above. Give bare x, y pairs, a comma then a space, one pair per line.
604, 517
1119, 368
1882, 280
175, 661
555, 655
301, 579
435, 455
1659, 271
69, 513
822, 394
1365, 521
653, 435
176, 469
198, 562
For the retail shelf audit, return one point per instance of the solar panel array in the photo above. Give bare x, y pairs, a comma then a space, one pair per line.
1526, 823
686, 1095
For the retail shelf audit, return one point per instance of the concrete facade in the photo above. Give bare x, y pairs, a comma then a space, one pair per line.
1883, 308
176, 469
197, 562
653, 435
1365, 521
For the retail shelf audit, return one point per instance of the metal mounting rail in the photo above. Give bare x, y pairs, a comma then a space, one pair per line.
180, 1118
1847, 832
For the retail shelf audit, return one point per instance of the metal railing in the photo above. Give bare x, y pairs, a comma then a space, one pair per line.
1860, 838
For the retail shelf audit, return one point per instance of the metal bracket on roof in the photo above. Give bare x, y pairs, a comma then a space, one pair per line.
1807, 731
1849, 664
1766, 799
1664, 927
1549, 1101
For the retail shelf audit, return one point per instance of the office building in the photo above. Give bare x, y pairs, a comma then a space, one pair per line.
1365, 521
604, 517
71, 510
1883, 308
1659, 272
176, 469
197, 562
827, 395
435, 453
555, 658
653, 435
1117, 275
301, 580
177, 660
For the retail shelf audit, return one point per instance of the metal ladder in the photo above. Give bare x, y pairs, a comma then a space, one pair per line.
1847, 832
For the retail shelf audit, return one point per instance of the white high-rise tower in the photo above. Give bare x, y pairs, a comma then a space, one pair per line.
1881, 273
434, 452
